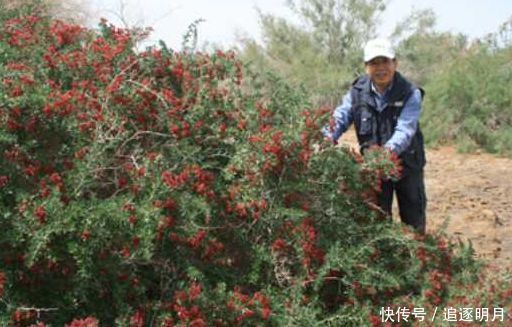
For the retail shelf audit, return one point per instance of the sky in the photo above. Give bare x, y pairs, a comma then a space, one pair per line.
225, 20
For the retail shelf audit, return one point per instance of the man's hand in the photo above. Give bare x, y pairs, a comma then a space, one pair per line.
330, 140
326, 142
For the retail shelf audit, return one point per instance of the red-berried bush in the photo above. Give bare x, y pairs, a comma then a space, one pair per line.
163, 188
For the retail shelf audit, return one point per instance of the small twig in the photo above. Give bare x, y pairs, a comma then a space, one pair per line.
145, 87
375, 207
38, 309
134, 162
122, 72
121, 14
138, 133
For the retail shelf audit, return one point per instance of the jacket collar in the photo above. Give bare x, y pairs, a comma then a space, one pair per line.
399, 89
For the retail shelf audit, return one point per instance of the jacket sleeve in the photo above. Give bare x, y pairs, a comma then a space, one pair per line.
407, 124
341, 119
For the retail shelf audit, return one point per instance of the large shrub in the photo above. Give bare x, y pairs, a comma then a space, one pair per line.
162, 188
470, 101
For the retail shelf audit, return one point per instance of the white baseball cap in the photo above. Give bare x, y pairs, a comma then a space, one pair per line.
378, 48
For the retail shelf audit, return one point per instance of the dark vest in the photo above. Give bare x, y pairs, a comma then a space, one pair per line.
376, 128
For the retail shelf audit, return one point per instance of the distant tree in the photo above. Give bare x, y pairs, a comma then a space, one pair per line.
469, 100
339, 27
423, 51
324, 51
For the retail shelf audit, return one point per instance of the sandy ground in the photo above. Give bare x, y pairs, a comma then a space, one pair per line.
473, 194
470, 195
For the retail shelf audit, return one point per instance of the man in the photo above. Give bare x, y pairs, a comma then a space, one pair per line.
385, 109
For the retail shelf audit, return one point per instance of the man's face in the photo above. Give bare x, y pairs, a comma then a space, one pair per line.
381, 71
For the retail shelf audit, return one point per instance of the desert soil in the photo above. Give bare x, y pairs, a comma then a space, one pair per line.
470, 197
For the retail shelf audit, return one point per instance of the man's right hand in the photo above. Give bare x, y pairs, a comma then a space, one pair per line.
330, 140
322, 145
